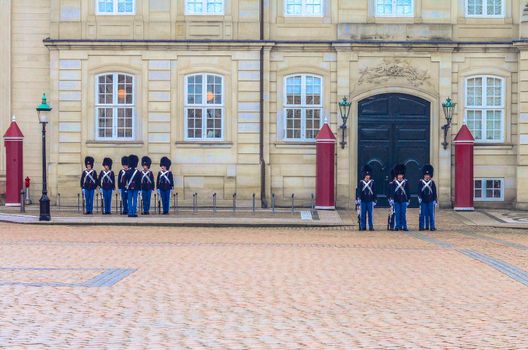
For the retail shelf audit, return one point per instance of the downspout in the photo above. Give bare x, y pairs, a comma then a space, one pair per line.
263, 200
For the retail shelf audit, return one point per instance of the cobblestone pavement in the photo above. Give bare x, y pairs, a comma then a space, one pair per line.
66, 287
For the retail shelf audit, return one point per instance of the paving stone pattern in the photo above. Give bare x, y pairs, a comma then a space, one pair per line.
262, 288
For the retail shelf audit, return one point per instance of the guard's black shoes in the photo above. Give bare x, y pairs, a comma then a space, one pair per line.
433, 229
405, 229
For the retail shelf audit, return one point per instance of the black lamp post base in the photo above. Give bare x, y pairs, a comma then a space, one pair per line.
45, 212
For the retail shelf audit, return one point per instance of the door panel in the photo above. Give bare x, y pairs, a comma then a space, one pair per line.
393, 128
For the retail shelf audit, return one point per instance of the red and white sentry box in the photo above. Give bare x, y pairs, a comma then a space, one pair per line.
325, 142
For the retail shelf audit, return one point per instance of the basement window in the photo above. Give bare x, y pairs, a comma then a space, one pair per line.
489, 189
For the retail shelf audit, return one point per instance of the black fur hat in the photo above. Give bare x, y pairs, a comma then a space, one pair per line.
146, 161
89, 160
400, 169
133, 161
166, 162
428, 170
124, 160
367, 170
107, 162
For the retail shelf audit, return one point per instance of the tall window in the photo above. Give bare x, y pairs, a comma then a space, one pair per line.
115, 7
484, 112
485, 8
303, 7
114, 106
204, 7
303, 107
204, 107
395, 8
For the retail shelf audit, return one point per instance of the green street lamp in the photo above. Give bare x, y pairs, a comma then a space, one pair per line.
449, 109
43, 110
344, 111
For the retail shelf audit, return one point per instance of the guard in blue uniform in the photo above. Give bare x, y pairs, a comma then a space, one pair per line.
165, 184
121, 183
391, 221
400, 197
427, 198
89, 184
107, 185
133, 184
147, 184
366, 198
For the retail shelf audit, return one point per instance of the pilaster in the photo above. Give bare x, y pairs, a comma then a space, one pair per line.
5, 77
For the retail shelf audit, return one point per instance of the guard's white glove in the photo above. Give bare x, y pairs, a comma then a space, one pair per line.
374, 204
358, 201
391, 202
435, 203
83, 191
159, 193
419, 200
100, 190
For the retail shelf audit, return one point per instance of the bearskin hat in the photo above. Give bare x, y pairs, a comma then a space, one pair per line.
133, 161
89, 160
367, 170
428, 170
146, 161
124, 160
400, 169
107, 162
166, 162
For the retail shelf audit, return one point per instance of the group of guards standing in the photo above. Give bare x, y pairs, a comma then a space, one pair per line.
399, 196
131, 182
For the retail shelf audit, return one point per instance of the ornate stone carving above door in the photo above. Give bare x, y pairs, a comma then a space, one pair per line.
393, 69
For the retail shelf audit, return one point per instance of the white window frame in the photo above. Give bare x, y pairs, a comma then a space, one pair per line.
485, 9
204, 11
484, 197
115, 11
484, 107
394, 12
115, 107
303, 107
203, 106
304, 11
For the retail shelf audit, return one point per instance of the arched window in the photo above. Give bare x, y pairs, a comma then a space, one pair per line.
485, 8
484, 108
115, 106
115, 7
303, 8
204, 7
303, 107
204, 107
394, 8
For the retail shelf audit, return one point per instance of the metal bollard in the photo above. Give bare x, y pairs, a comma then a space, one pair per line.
58, 201
176, 202
159, 205
83, 204
116, 203
214, 202
195, 202
273, 203
97, 203
22, 201
140, 209
293, 203
234, 202
254, 203
313, 202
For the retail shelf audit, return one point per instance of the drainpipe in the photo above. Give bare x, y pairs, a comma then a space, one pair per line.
263, 200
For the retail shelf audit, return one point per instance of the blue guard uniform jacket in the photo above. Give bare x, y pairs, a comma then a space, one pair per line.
366, 191
427, 190
147, 180
107, 180
399, 191
89, 180
121, 182
133, 179
165, 181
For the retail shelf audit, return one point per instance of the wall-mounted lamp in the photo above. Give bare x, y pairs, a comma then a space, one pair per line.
449, 109
344, 111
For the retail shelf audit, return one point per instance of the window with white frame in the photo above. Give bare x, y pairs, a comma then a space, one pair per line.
489, 189
303, 107
114, 106
303, 8
115, 7
484, 110
204, 107
204, 7
394, 8
485, 8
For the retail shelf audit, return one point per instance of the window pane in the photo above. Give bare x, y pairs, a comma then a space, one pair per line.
214, 123
494, 7
313, 8
215, 6
404, 8
474, 123
195, 6
474, 92
493, 125
124, 122
194, 123
105, 6
105, 89
294, 7
293, 123
293, 90
214, 90
313, 90
474, 7
124, 89
494, 92
313, 121
125, 6
105, 122
384, 8
194, 89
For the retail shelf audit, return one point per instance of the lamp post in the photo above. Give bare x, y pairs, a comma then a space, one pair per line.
43, 110
449, 108
344, 111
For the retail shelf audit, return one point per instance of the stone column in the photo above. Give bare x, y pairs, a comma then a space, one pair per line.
5, 77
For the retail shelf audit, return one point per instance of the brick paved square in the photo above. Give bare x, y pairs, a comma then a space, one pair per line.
263, 288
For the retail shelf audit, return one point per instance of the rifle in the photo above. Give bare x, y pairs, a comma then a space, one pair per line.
358, 212
83, 203
389, 219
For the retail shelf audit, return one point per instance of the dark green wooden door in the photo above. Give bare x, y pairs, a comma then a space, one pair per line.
394, 128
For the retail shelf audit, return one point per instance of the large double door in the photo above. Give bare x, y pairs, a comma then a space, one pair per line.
393, 129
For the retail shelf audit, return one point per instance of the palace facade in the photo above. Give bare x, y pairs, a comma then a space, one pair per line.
234, 91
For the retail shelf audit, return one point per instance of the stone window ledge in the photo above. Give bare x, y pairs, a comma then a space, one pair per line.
294, 144
498, 146
114, 143
204, 144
